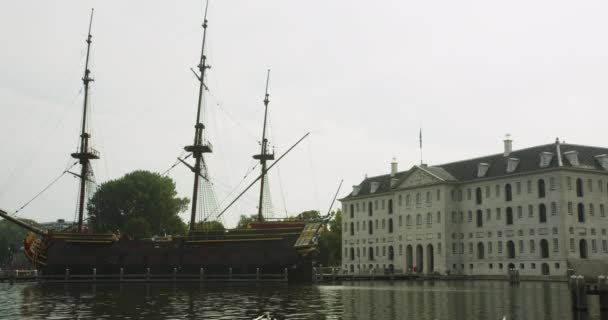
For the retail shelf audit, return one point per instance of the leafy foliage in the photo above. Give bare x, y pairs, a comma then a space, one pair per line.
331, 240
244, 220
144, 202
11, 238
210, 226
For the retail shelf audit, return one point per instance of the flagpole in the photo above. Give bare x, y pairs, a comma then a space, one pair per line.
420, 139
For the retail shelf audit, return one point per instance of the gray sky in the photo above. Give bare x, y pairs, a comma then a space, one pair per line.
361, 76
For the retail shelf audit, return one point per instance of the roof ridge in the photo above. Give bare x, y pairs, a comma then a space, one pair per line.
493, 155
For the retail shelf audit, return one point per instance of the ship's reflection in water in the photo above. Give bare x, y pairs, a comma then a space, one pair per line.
356, 300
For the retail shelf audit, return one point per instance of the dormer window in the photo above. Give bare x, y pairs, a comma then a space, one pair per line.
374, 187
545, 159
512, 164
482, 169
572, 157
356, 190
603, 160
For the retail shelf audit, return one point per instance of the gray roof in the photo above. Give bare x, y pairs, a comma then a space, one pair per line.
466, 170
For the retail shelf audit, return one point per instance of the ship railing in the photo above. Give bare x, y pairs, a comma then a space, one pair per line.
175, 276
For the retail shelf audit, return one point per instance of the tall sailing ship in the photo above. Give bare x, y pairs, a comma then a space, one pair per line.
272, 246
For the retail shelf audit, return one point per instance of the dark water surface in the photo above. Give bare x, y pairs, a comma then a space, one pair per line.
350, 300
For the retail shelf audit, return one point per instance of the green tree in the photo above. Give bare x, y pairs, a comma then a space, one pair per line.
244, 220
137, 228
210, 226
309, 215
331, 239
138, 195
11, 238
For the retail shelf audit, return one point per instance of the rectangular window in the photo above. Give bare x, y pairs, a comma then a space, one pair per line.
600, 185
499, 246
438, 216
497, 213
520, 213
376, 205
553, 208
555, 245
470, 248
532, 248
453, 248
454, 219
572, 244
469, 216
487, 191
400, 221
438, 195
462, 248
439, 248
497, 191
570, 207
518, 187
590, 185
529, 186
521, 246
489, 214
530, 211
593, 245
551, 183
461, 218
382, 204
605, 245
569, 183
469, 194
489, 247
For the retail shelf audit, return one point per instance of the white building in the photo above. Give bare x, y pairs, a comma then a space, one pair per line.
540, 210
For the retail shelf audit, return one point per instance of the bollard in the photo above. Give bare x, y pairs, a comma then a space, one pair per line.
333, 274
321, 271
202, 274
286, 276
257, 274
147, 274
122, 274
230, 273
67, 274
94, 274
602, 290
174, 274
578, 293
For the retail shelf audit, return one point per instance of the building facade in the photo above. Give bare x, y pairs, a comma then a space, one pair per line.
539, 210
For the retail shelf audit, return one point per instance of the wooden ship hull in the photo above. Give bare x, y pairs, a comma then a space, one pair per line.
273, 248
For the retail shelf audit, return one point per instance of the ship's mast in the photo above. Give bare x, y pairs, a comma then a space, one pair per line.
199, 147
86, 153
264, 155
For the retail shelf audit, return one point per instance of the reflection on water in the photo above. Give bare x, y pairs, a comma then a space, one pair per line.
350, 300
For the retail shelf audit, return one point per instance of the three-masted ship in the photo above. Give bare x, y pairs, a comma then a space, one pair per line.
270, 246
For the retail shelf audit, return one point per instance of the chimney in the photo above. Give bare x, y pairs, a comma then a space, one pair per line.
394, 167
508, 145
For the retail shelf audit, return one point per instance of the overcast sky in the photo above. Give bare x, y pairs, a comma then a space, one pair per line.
361, 76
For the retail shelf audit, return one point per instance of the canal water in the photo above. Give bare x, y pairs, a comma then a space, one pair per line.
349, 300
